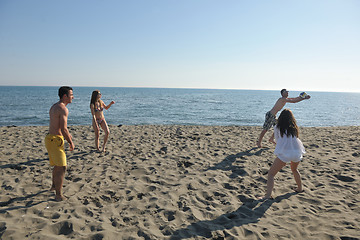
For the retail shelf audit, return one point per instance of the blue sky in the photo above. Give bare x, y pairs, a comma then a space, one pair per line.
310, 45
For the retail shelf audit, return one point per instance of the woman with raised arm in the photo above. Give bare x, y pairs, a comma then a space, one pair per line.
97, 107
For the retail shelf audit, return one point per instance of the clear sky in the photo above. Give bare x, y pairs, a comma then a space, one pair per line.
309, 45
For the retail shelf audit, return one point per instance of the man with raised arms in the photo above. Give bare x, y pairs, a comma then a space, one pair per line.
270, 117
54, 141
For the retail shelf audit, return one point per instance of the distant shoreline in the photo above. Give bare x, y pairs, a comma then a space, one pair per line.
189, 88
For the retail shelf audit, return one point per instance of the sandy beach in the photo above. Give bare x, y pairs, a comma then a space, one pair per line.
179, 182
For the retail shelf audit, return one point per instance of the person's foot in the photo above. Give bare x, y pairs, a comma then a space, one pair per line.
104, 149
52, 188
60, 198
264, 198
298, 190
258, 144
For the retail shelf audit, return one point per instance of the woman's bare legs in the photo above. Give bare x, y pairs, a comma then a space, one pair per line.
297, 177
274, 169
97, 135
105, 127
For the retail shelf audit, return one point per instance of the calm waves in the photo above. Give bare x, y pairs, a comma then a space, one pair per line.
27, 106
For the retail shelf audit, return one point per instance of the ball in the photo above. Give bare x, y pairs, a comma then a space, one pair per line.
303, 95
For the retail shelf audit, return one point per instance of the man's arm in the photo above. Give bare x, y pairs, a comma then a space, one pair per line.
64, 129
297, 99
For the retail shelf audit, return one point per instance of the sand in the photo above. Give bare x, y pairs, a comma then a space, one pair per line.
179, 182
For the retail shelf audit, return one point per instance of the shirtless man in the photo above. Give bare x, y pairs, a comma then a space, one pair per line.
54, 141
270, 117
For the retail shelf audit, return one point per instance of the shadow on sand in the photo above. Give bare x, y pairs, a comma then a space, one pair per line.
22, 166
249, 212
29, 203
227, 163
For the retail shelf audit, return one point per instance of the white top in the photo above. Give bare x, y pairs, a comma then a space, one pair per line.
288, 148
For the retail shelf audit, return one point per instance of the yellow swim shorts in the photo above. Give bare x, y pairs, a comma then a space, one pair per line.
55, 147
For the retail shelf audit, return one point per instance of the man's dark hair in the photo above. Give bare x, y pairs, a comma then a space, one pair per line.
282, 90
64, 90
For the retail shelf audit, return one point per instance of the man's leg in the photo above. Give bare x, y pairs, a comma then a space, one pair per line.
261, 137
58, 178
53, 183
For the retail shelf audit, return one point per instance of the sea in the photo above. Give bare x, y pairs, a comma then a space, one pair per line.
29, 106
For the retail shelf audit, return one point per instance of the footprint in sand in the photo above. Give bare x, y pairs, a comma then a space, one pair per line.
345, 178
229, 187
77, 179
183, 206
55, 216
140, 195
170, 215
63, 228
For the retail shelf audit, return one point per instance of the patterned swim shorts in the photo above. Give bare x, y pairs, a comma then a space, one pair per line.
270, 121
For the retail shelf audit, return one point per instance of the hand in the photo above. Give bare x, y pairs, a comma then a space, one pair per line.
112, 102
307, 97
71, 146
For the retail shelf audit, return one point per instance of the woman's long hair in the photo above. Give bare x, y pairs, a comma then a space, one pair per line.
94, 97
287, 124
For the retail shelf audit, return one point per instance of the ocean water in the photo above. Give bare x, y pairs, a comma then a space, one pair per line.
28, 106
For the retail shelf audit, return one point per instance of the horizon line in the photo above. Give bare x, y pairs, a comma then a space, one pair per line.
190, 88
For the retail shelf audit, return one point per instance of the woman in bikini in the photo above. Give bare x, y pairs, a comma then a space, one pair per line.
97, 107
